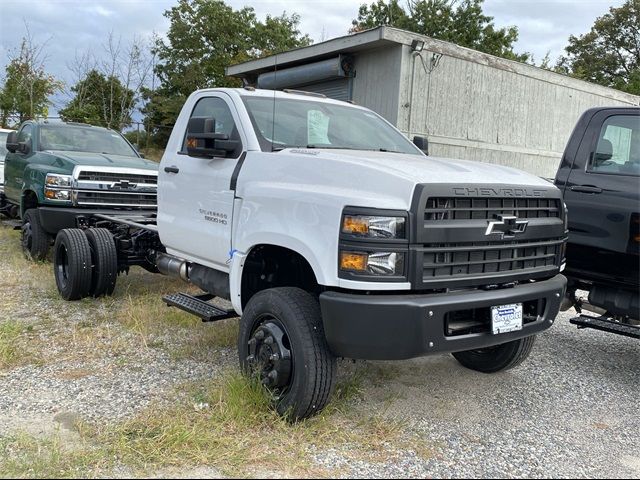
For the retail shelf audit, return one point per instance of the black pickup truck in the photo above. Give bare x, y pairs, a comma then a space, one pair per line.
600, 177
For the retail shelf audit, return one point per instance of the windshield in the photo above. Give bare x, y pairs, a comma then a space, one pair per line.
3, 144
310, 124
83, 139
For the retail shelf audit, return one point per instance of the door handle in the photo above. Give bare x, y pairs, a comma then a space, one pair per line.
171, 169
586, 189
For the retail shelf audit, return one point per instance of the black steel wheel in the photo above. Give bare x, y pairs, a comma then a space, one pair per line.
104, 260
282, 342
497, 358
72, 264
35, 240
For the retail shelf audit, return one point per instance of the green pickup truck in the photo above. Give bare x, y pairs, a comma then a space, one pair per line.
58, 174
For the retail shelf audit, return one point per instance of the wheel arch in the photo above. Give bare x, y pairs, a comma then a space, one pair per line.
267, 265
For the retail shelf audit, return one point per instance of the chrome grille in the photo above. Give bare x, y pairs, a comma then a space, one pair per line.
111, 177
115, 187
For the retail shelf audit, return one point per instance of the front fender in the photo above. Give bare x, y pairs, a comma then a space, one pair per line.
33, 179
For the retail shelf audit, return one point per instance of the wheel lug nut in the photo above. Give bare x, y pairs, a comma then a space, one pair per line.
251, 358
274, 357
273, 375
259, 335
252, 341
269, 340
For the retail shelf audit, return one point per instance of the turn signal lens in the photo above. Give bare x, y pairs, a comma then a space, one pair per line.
353, 261
357, 225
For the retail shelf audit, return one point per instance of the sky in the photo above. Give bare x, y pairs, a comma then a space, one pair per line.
72, 26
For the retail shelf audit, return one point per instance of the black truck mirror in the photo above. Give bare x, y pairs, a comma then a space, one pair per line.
12, 142
422, 143
202, 141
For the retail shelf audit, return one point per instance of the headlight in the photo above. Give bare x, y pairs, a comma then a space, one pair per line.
368, 226
372, 263
55, 180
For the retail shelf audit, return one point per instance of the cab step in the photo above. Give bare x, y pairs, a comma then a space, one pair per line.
606, 325
199, 306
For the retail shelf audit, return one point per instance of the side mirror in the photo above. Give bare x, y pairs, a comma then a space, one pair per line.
202, 141
12, 142
422, 143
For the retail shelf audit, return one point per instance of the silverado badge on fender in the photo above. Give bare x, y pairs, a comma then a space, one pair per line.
506, 226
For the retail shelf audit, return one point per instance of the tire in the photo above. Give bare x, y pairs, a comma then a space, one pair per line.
35, 241
104, 260
498, 358
306, 369
72, 264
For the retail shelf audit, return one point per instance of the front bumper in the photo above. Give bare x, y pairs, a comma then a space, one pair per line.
395, 327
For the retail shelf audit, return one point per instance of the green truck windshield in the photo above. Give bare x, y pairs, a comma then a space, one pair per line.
310, 124
83, 139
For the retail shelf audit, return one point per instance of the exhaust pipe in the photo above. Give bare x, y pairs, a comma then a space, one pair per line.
172, 266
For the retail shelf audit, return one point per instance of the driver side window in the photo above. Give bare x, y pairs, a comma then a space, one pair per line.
25, 133
618, 148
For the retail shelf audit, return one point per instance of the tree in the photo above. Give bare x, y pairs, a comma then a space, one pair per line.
459, 22
99, 100
27, 86
108, 89
204, 37
609, 54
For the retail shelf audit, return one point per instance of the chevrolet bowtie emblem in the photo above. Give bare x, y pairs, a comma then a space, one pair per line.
123, 185
506, 226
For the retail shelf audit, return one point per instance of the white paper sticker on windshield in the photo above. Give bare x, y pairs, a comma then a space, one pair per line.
317, 128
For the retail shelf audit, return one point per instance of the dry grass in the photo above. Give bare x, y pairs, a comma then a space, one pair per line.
225, 424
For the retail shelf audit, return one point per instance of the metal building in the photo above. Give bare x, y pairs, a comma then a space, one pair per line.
469, 104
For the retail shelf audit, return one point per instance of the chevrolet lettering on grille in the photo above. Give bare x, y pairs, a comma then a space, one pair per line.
506, 226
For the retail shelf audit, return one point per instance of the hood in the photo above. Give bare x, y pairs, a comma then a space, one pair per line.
423, 169
104, 160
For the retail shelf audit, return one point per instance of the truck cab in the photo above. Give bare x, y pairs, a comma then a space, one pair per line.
55, 174
600, 178
333, 235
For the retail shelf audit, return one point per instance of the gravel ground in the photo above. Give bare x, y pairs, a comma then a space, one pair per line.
571, 410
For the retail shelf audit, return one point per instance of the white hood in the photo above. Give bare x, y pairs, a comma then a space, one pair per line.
423, 169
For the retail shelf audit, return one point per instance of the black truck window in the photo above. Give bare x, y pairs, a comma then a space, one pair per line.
618, 148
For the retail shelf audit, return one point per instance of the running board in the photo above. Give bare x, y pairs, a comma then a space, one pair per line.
199, 306
601, 323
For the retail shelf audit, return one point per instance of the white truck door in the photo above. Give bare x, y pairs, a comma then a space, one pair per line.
196, 203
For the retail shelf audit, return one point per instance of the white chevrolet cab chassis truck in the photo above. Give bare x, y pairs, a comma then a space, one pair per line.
333, 236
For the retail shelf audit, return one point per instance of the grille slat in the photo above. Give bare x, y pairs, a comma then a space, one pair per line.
112, 177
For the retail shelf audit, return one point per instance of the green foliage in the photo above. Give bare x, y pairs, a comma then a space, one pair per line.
99, 100
462, 23
610, 53
26, 90
204, 37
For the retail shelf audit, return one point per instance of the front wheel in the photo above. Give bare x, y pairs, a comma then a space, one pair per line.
282, 342
35, 240
497, 358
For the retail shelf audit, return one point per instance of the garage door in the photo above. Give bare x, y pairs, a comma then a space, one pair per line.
339, 89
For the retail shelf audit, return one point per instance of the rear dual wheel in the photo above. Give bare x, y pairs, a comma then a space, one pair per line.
85, 263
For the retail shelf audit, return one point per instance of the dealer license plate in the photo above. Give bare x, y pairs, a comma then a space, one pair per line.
506, 318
